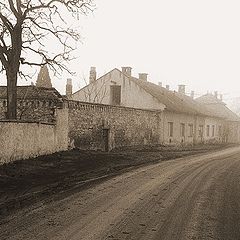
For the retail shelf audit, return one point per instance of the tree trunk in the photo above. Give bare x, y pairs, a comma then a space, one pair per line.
12, 95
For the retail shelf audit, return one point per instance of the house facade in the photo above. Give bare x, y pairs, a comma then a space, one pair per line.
116, 88
227, 128
184, 120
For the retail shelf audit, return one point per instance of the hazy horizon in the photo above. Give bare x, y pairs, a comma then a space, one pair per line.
195, 43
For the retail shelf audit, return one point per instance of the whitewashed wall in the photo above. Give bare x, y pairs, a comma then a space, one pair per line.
22, 140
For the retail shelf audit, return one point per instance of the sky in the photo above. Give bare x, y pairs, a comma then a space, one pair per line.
190, 42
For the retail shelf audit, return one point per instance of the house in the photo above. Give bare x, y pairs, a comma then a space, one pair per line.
184, 120
229, 129
117, 88
34, 103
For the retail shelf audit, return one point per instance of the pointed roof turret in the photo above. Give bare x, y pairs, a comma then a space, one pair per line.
44, 79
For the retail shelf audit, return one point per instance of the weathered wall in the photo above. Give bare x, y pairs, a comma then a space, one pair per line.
3, 109
177, 119
232, 132
92, 126
22, 140
217, 136
131, 94
32, 110
197, 121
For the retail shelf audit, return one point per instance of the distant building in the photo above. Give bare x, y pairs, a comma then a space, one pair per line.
44, 79
230, 128
34, 103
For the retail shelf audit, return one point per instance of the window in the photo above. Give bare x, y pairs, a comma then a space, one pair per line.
190, 126
200, 131
182, 129
170, 129
213, 130
115, 95
208, 130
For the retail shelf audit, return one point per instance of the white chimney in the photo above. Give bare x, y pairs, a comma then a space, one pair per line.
69, 87
160, 84
93, 75
127, 71
167, 87
143, 76
216, 94
181, 89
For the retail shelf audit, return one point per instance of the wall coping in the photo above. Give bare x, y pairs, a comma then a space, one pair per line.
25, 121
112, 106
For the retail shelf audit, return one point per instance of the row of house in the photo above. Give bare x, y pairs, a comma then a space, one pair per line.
184, 119
118, 109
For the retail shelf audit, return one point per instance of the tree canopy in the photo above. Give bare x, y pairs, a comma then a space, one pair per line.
25, 29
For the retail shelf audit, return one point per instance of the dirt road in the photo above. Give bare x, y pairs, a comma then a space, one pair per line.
195, 197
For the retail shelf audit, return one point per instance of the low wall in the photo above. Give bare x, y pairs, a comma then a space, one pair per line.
22, 140
32, 110
104, 127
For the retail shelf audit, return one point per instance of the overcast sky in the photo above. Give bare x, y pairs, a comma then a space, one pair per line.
190, 42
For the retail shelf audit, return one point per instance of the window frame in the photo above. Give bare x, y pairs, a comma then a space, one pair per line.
190, 128
170, 129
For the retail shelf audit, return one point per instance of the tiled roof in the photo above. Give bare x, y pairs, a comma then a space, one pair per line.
209, 99
177, 102
173, 101
33, 92
218, 107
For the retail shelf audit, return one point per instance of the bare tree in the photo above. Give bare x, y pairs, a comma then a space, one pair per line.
25, 29
95, 92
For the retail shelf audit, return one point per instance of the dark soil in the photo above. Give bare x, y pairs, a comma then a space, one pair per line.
36, 181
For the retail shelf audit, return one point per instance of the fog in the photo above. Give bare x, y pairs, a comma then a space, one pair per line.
176, 42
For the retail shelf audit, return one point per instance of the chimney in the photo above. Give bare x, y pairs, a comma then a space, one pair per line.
192, 94
127, 71
93, 75
216, 94
167, 87
160, 84
143, 76
69, 87
221, 97
181, 89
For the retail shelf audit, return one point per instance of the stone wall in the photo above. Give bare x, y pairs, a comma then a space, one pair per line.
32, 110
22, 140
104, 127
3, 109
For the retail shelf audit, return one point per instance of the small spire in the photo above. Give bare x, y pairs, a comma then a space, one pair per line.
44, 79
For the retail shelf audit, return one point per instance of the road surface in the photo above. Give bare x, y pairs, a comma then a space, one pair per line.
196, 197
